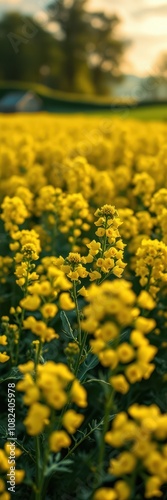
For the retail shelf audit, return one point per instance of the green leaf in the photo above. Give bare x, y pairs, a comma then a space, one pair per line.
90, 363
63, 466
13, 374
66, 326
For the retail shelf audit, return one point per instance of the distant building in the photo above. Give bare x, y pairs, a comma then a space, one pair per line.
17, 102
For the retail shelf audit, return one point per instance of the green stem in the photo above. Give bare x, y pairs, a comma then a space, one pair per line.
38, 355
22, 317
81, 441
100, 465
80, 353
75, 373
104, 239
19, 336
77, 311
37, 448
42, 482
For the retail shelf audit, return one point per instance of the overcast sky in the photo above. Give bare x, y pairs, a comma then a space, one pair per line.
143, 21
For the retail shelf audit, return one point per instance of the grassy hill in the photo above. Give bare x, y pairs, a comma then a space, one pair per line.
54, 100
61, 102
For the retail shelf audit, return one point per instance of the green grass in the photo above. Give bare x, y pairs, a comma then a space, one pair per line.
158, 112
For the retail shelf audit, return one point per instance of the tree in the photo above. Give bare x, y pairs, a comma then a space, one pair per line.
92, 51
83, 55
156, 83
161, 66
26, 50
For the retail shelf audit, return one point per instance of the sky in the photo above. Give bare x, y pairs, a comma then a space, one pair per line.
144, 22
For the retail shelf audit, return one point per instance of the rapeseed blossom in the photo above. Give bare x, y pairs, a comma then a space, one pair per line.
83, 276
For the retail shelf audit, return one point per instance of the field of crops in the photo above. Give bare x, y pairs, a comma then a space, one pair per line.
83, 293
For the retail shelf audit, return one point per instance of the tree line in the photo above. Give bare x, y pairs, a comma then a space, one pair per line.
82, 54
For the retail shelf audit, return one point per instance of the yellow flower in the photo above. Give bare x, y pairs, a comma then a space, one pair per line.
120, 420
59, 440
146, 301
117, 271
100, 232
153, 485
89, 258
5, 496
97, 345
36, 419
114, 438
94, 247
123, 464
26, 383
3, 340
123, 490
109, 331
19, 475
100, 221
72, 420
3, 461
108, 357
73, 275
94, 275
105, 494
138, 339
20, 282
2, 485
140, 411
4, 357
78, 394
14, 212
31, 396
74, 258
125, 352
119, 383
72, 349
45, 288
146, 353
60, 370
154, 462
106, 210
56, 398
31, 302
82, 272
133, 373
18, 452
49, 310
29, 323
65, 302
27, 367
82, 291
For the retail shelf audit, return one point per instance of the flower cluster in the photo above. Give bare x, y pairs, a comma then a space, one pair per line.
112, 308
27, 247
106, 255
151, 265
141, 434
5, 267
14, 213
63, 388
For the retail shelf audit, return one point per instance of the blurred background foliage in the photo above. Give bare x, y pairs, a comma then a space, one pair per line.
82, 53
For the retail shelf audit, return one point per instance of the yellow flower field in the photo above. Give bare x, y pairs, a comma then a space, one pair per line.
83, 293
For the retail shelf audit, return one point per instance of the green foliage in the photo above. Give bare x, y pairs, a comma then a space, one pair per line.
83, 55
